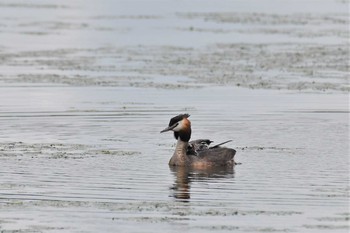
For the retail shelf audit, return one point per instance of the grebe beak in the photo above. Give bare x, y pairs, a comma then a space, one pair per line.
169, 128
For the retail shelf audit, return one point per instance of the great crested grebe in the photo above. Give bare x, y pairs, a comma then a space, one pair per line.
196, 153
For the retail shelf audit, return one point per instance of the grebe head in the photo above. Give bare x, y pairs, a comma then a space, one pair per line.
181, 127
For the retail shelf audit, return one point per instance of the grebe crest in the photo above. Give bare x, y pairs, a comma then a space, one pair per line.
181, 127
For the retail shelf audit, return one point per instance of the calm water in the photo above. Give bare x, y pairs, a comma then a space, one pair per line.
90, 159
85, 89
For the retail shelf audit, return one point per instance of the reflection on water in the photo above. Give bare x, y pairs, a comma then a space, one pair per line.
184, 176
80, 149
96, 162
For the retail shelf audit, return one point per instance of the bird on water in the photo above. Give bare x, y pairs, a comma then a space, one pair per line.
197, 153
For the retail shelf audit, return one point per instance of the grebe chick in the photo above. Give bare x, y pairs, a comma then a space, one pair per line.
196, 153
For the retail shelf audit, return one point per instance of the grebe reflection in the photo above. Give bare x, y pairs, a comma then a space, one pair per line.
184, 176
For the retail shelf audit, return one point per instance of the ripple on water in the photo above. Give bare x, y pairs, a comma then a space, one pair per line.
103, 166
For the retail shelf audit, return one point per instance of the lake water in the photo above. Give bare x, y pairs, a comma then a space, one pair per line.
88, 159
86, 88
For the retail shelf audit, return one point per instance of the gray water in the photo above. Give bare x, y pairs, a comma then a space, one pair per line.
91, 159
85, 89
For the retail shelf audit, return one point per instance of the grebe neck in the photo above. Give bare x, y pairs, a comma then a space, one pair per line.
180, 157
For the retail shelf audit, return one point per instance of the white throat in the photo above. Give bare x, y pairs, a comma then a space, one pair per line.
179, 126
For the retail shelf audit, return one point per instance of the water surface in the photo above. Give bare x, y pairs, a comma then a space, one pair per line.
90, 159
86, 87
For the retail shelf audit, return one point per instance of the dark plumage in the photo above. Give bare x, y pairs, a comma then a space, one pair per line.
219, 156
198, 145
175, 120
178, 118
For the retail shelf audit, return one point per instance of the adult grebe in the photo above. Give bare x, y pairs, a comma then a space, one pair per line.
196, 153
